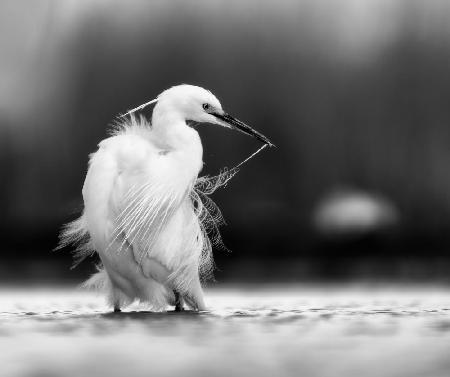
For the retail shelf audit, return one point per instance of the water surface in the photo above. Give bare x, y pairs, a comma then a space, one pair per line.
269, 331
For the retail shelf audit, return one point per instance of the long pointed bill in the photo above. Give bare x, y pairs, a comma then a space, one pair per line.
241, 126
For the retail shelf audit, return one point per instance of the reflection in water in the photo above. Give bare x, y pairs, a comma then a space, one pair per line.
318, 331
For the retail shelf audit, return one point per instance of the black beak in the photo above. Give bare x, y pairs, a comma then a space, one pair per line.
241, 126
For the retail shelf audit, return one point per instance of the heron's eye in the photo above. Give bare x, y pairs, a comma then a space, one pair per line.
206, 106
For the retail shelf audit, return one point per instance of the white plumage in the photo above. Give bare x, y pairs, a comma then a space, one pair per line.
146, 212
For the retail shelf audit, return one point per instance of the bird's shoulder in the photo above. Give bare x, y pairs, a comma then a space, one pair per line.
129, 147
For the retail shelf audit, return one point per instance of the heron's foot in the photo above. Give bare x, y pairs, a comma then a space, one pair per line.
179, 308
178, 302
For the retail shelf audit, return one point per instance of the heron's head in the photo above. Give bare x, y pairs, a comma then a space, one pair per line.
193, 103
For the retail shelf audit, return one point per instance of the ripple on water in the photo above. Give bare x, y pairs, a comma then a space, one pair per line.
244, 333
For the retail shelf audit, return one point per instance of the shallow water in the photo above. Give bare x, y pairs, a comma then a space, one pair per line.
271, 331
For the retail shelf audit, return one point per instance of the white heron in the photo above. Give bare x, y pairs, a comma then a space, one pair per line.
141, 213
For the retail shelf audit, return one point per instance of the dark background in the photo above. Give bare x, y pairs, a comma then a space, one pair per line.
355, 94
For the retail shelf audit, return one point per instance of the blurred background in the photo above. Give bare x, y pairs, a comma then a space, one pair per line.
354, 93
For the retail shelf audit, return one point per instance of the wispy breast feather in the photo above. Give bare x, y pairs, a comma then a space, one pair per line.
145, 211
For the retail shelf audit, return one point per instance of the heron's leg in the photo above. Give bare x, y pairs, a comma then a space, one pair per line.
116, 306
116, 299
178, 301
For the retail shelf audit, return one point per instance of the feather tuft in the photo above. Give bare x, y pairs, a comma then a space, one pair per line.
76, 233
210, 219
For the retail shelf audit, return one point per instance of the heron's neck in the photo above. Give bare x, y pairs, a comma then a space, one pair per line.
173, 134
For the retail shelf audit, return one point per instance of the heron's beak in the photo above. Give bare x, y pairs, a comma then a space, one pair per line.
241, 126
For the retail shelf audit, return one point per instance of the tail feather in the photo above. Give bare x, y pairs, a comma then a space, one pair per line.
100, 282
76, 233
